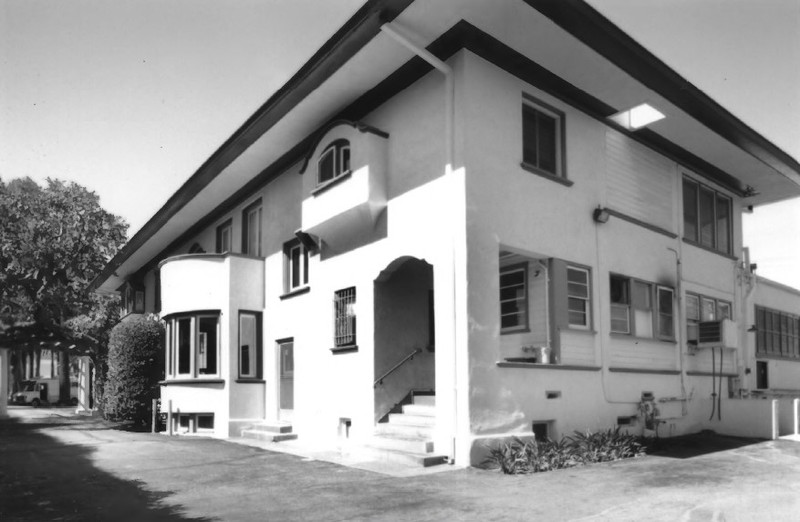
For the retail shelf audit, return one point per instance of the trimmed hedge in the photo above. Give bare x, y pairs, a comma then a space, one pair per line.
135, 365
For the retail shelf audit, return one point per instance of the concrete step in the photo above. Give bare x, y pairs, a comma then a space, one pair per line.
424, 410
272, 427
427, 400
268, 436
402, 430
405, 443
411, 420
402, 457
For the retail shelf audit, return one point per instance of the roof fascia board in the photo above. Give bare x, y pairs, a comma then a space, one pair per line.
360, 29
593, 29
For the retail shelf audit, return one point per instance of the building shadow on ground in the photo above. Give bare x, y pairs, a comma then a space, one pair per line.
42, 479
696, 444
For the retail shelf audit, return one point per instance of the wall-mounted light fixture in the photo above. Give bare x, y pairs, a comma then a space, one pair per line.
601, 215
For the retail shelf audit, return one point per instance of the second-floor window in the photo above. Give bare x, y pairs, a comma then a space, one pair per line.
707, 217
700, 308
641, 308
334, 161
543, 139
225, 237
251, 229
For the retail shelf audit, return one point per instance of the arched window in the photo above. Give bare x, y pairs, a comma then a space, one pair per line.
334, 161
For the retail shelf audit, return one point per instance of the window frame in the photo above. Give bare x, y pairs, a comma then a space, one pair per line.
341, 152
650, 304
533, 107
289, 269
257, 354
777, 333
225, 228
524, 326
693, 216
253, 208
345, 319
173, 348
587, 301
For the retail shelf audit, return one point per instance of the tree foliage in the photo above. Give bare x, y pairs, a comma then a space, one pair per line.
135, 365
54, 240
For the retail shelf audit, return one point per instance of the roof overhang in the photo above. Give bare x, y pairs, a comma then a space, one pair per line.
564, 47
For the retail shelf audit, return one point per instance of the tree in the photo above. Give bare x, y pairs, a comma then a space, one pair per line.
54, 240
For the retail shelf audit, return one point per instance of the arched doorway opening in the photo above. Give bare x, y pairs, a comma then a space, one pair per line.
404, 334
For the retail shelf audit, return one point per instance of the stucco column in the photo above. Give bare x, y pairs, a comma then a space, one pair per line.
4, 368
84, 374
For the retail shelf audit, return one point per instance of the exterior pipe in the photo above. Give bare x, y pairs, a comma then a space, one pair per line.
394, 31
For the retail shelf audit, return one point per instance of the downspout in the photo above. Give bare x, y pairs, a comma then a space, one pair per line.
393, 30
680, 330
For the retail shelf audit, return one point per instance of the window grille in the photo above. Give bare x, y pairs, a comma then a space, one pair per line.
344, 317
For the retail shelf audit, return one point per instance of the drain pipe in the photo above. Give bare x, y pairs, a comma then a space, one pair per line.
679, 331
393, 30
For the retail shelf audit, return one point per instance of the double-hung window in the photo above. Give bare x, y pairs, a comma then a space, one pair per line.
251, 229
707, 216
295, 265
344, 318
642, 308
701, 308
514, 298
542, 139
578, 298
193, 345
334, 161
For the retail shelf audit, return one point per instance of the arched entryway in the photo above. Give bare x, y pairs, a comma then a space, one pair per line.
404, 334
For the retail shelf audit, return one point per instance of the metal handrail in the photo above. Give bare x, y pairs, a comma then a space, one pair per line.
407, 358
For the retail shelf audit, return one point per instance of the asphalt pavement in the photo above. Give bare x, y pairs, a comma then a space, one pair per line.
55, 465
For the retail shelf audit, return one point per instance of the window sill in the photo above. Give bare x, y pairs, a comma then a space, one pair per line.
294, 293
250, 380
539, 366
169, 382
618, 335
322, 187
583, 331
709, 249
539, 172
652, 371
345, 349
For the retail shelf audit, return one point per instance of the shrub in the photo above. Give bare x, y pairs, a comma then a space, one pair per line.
532, 456
135, 365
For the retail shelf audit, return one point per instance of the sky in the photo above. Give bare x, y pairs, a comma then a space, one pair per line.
129, 98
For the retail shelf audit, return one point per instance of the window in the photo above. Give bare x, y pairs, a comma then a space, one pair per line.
249, 345
641, 308
193, 345
777, 333
225, 237
251, 229
578, 298
334, 161
513, 298
344, 318
543, 139
700, 308
295, 265
707, 217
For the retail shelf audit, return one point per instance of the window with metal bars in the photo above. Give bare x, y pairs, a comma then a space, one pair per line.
344, 317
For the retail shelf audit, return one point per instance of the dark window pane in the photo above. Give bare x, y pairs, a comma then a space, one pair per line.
327, 165
345, 159
689, 210
707, 217
723, 224
619, 290
207, 346
295, 269
184, 346
529, 137
547, 143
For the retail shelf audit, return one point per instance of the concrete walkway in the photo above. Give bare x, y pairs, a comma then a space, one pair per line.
56, 466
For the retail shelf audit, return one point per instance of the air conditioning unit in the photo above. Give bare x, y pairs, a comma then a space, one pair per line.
722, 333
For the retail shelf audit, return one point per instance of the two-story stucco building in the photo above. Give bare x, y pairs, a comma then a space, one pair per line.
462, 220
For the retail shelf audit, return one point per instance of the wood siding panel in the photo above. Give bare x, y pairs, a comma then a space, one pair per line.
577, 348
643, 354
640, 181
701, 361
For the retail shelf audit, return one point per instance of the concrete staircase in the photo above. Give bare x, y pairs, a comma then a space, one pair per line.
408, 436
270, 432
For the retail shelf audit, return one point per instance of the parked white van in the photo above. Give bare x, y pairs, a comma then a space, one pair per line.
43, 391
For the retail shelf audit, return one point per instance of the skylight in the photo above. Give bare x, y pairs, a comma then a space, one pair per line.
637, 117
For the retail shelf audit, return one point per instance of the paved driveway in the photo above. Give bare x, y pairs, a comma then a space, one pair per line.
54, 466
